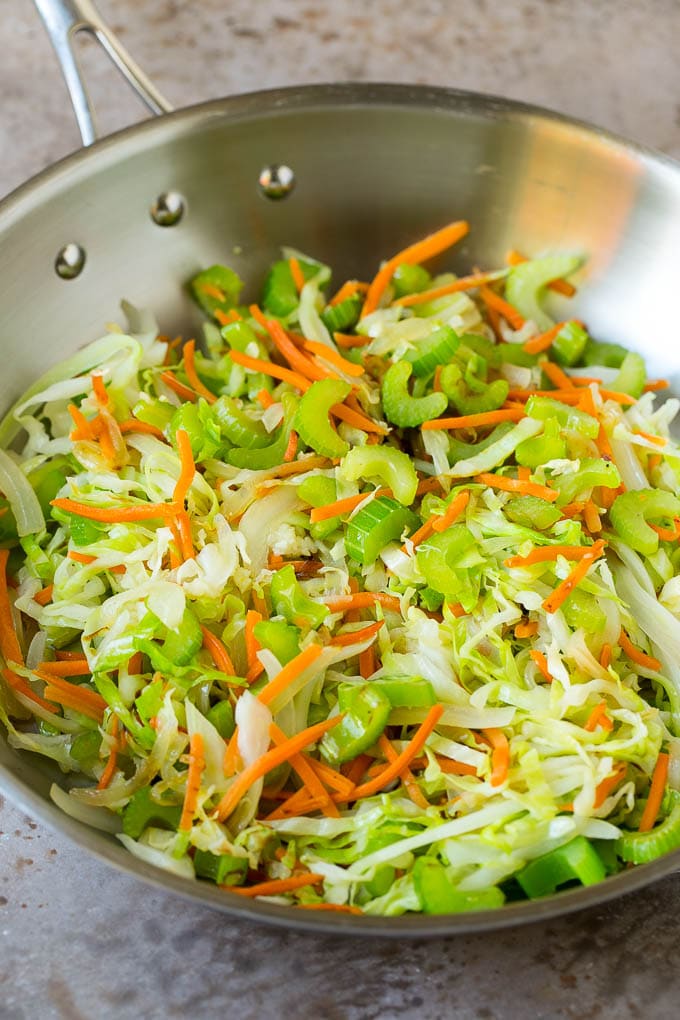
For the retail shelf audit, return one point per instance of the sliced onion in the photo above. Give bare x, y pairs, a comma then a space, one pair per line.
22, 498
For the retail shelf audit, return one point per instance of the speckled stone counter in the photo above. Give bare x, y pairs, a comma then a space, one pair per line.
80, 940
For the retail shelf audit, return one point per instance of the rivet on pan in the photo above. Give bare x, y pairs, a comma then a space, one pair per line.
168, 209
70, 261
276, 181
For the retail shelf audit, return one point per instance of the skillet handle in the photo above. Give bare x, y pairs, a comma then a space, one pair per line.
63, 20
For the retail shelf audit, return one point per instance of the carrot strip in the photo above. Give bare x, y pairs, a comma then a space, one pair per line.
110, 768
187, 468
115, 515
354, 637
9, 642
184, 530
269, 368
651, 438
219, 654
526, 628
462, 283
500, 755
252, 644
603, 789
406, 776
224, 318
189, 353
427, 248
635, 655
367, 662
403, 760
44, 596
542, 663
591, 517
296, 359
277, 886
70, 700
514, 258
213, 291
68, 667
269, 760
423, 532
99, 389
569, 396
652, 385
334, 780
196, 767
337, 908
185, 392
358, 420
20, 685
543, 341
69, 656
83, 428
343, 506
564, 590
291, 447
473, 421
453, 512
265, 399
348, 289
296, 273
598, 717
656, 792
309, 778
559, 378
363, 600
347, 340
337, 360
356, 769
133, 425
515, 485
503, 307
547, 553
85, 558
289, 673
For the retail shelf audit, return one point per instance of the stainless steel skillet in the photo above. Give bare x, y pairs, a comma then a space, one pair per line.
373, 167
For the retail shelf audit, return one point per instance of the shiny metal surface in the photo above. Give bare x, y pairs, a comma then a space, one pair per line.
276, 181
375, 166
168, 209
70, 261
64, 19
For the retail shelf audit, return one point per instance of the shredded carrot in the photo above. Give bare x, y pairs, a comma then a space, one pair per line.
310, 779
564, 590
9, 643
44, 596
356, 769
547, 553
194, 773
666, 534
298, 467
416, 253
289, 673
291, 447
559, 378
298, 361
591, 517
85, 558
265, 399
189, 353
473, 421
358, 420
462, 283
269, 368
456, 609
405, 775
133, 425
185, 392
74, 696
334, 780
232, 758
514, 258
252, 644
271, 759
598, 717
652, 385
526, 628
524, 474
219, 654
635, 655
277, 886
403, 760
423, 532
503, 307
606, 656
110, 768
20, 685
115, 515
63, 656
355, 637
603, 789
83, 428
67, 667
348, 290
500, 755
542, 663
336, 908
453, 512
543, 341
573, 509
656, 792
571, 395
515, 485
99, 389
347, 340
651, 438
337, 360
367, 662
213, 291
296, 273
363, 600
183, 523
343, 506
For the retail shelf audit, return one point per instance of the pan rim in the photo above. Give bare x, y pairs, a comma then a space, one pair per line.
279, 102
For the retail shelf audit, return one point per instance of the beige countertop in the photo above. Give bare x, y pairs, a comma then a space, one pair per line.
80, 940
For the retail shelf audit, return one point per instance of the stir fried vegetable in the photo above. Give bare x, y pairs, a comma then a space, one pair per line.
373, 607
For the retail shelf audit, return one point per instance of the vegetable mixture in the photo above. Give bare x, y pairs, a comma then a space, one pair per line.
373, 606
